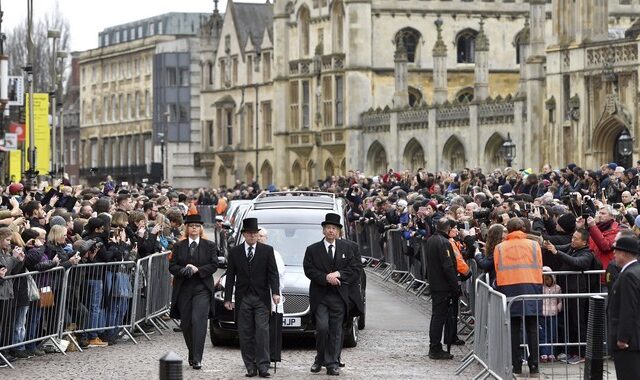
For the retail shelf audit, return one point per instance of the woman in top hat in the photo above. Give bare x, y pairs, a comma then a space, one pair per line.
193, 262
332, 265
252, 269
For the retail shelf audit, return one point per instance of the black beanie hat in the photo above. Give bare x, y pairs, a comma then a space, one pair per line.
567, 222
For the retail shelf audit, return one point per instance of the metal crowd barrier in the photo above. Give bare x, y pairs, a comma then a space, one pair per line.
159, 299
97, 299
83, 300
33, 312
375, 241
492, 340
562, 334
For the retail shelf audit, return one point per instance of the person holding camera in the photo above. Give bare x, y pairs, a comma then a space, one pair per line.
11, 262
602, 233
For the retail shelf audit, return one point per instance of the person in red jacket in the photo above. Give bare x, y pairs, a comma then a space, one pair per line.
602, 234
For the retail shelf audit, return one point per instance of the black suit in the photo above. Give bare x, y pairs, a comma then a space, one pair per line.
329, 304
255, 284
190, 300
623, 309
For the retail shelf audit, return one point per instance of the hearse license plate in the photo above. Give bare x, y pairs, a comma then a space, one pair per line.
291, 322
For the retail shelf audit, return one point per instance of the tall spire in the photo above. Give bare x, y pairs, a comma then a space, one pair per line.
215, 7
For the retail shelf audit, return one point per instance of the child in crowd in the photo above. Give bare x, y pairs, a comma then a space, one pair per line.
551, 307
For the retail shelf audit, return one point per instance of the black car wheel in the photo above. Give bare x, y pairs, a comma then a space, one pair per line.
218, 339
351, 333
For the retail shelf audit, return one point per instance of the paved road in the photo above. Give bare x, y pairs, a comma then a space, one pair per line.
394, 345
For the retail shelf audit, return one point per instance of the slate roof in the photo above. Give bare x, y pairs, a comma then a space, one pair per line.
251, 20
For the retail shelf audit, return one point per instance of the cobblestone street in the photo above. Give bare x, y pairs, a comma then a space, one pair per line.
393, 345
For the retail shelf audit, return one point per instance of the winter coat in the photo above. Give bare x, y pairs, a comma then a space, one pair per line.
551, 306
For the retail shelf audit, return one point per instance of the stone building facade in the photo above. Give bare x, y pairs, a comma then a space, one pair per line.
118, 115
373, 84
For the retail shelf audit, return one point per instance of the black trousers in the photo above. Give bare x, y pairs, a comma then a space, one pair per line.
253, 331
439, 309
531, 328
329, 318
627, 364
193, 303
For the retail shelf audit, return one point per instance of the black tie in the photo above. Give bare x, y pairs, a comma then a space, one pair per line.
192, 248
250, 256
331, 251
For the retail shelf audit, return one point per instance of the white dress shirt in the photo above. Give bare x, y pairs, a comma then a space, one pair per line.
326, 247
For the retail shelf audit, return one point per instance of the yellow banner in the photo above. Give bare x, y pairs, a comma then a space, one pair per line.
15, 165
41, 129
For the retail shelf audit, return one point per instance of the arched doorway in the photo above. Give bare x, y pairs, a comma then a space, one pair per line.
605, 142
266, 174
222, 177
492, 157
413, 156
249, 174
453, 154
376, 159
311, 180
329, 168
296, 174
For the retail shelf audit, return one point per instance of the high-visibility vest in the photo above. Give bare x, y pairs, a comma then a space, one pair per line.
461, 266
518, 261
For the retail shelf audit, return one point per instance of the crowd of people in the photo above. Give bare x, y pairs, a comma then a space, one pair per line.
64, 226
572, 216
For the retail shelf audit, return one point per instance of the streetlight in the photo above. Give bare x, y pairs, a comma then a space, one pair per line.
625, 144
508, 150
54, 35
61, 55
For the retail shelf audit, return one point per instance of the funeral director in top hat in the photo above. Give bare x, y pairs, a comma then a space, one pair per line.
331, 266
193, 262
252, 269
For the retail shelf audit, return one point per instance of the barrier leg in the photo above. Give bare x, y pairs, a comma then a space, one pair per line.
130, 336
155, 325
5, 361
57, 345
75, 343
141, 330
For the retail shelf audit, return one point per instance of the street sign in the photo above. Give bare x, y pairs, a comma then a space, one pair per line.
16, 91
11, 141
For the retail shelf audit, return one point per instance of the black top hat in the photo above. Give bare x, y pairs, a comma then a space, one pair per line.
193, 219
250, 225
627, 244
333, 219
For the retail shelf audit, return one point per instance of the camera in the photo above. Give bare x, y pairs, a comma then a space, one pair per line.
481, 214
617, 206
527, 207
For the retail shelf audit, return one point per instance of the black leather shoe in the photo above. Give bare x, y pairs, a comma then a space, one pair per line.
265, 374
533, 370
197, 365
251, 373
315, 368
191, 363
333, 372
341, 364
458, 342
517, 370
440, 355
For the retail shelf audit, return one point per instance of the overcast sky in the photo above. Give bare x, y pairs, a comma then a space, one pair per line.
88, 17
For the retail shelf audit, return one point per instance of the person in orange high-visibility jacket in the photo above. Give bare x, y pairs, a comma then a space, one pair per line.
518, 263
461, 266
221, 206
